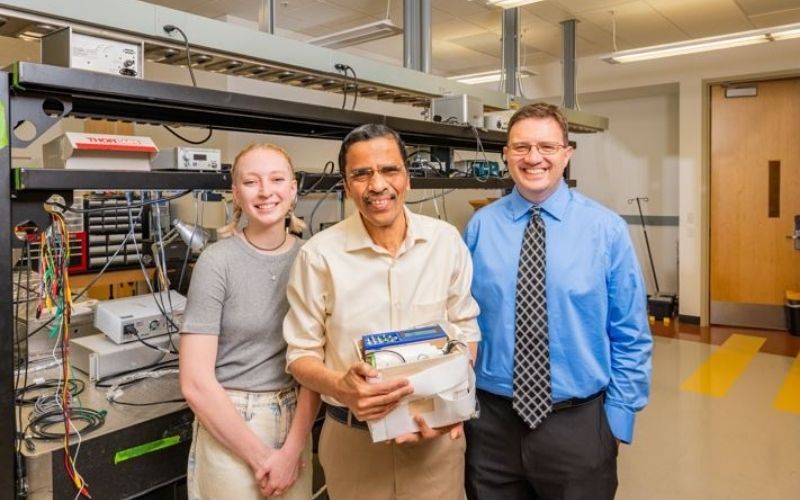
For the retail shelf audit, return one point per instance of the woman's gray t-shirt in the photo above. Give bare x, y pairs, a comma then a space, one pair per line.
239, 294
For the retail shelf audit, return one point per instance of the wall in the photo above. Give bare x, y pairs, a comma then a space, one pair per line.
636, 157
692, 74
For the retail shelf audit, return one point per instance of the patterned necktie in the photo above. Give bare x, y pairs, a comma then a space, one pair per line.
532, 399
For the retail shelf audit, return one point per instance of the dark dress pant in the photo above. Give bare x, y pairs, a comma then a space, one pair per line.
571, 455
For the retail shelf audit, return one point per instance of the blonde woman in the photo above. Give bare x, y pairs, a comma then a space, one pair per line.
252, 426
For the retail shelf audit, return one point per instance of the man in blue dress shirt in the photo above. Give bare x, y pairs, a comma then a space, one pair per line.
595, 331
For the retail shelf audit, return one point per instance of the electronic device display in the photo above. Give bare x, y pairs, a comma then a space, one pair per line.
375, 341
188, 158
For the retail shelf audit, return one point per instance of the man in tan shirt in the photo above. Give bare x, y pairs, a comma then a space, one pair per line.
383, 268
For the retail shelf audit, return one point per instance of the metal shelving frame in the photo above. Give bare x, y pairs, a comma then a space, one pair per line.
43, 95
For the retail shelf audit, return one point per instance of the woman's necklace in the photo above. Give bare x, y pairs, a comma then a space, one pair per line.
264, 249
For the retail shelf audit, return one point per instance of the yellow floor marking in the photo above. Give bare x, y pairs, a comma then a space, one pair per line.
718, 374
789, 396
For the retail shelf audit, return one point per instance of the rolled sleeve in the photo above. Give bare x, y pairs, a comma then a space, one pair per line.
304, 324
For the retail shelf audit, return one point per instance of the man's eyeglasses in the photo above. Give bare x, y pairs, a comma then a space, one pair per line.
544, 148
365, 174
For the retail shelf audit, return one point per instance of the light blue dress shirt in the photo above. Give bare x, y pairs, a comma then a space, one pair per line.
596, 302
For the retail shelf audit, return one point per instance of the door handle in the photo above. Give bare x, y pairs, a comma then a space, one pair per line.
795, 236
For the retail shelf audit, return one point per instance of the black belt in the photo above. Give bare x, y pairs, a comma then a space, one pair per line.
345, 416
566, 404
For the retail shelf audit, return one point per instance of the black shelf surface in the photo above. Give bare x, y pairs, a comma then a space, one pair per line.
322, 183
41, 179
92, 94
460, 183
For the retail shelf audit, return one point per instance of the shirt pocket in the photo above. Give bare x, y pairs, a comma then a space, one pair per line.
427, 313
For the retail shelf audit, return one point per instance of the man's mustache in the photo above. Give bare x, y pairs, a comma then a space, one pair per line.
371, 195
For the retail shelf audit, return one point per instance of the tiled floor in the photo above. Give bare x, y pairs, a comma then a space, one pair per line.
777, 342
742, 443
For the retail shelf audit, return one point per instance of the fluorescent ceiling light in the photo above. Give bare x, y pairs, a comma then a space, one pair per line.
487, 77
360, 34
706, 44
785, 32
510, 4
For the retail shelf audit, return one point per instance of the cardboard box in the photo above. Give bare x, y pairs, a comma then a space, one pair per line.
80, 151
444, 394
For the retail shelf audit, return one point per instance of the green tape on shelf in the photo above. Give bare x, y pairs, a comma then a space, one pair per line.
144, 449
3, 127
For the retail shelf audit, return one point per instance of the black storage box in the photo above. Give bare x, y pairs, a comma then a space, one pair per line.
792, 308
661, 306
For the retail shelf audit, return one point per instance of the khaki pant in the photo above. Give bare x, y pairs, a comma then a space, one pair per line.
214, 473
358, 469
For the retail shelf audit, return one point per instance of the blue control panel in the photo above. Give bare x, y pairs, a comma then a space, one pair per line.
375, 341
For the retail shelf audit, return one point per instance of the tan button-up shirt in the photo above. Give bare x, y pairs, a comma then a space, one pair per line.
342, 286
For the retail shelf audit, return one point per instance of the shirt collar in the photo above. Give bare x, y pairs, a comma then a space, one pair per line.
555, 205
358, 238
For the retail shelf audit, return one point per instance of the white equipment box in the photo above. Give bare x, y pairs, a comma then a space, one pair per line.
80, 151
496, 121
94, 53
100, 358
458, 110
188, 159
444, 385
139, 317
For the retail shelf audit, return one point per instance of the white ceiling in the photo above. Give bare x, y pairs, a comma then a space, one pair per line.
466, 33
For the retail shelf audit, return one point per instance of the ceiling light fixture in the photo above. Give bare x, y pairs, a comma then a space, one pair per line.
706, 44
510, 4
360, 34
487, 76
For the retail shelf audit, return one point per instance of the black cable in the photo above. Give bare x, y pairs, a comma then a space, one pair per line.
113, 397
190, 141
161, 265
151, 403
150, 288
303, 191
188, 253
355, 81
343, 69
425, 163
448, 347
483, 152
154, 347
20, 433
169, 28
103, 382
319, 202
40, 425
76, 387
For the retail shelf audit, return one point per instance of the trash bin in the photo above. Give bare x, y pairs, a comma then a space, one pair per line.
792, 308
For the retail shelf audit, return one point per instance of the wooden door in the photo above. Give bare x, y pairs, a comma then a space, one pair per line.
755, 196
